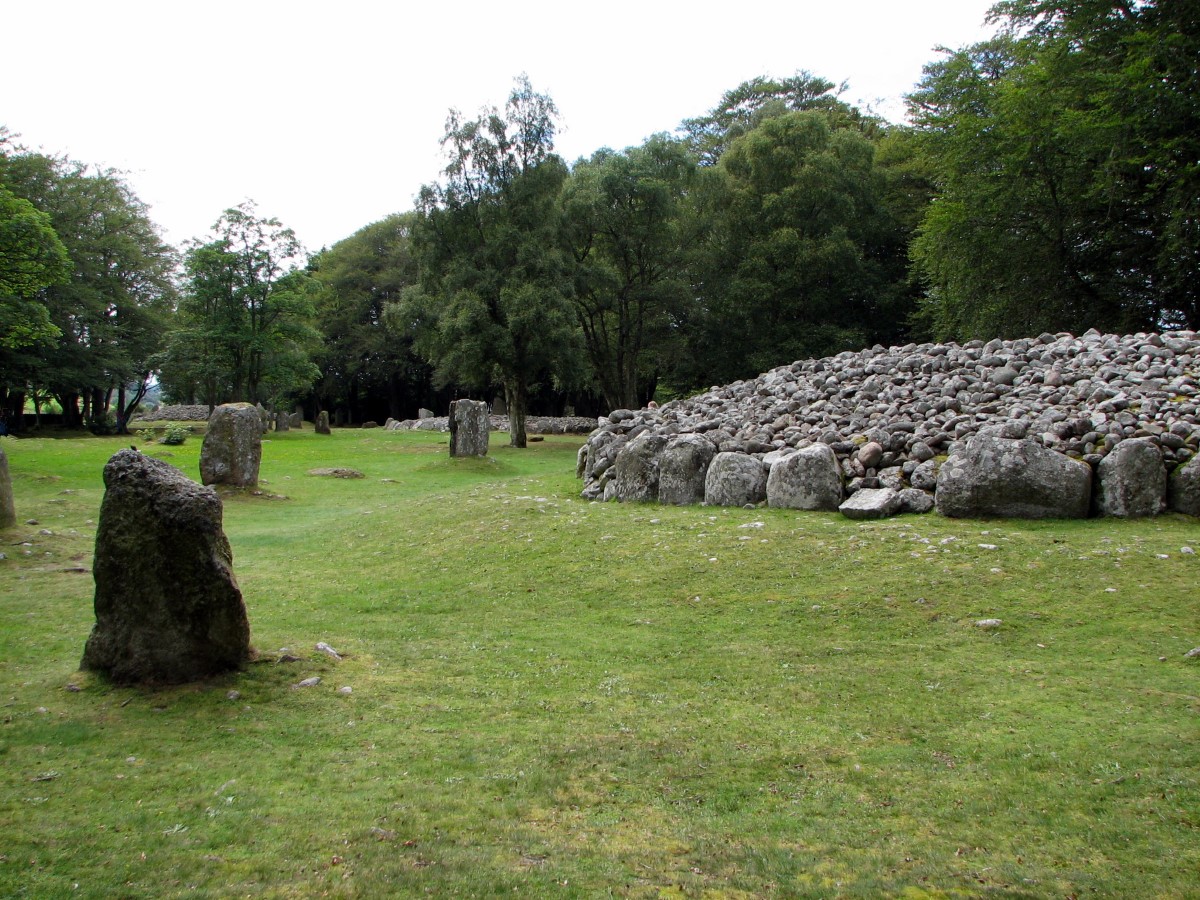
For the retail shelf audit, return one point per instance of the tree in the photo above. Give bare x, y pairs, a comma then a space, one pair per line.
244, 331
32, 258
363, 365
492, 302
626, 226
111, 312
803, 258
1065, 156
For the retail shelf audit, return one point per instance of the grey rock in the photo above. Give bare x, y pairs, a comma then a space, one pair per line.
8, 511
914, 500
1183, 488
735, 479
424, 413
871, 503
683, 469
1006, 477
322, 426
1131, 481
469, 428
636, 469
168, 608
232, 448
283, 422
807, 479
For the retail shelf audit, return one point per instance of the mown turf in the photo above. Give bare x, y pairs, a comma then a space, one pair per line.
552, 697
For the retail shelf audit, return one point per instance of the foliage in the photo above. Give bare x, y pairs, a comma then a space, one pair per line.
244, 331
627, 227
803, 259
31, 258
175, 433
1065, 152
810, 712
492, 302
111, 313
359, 358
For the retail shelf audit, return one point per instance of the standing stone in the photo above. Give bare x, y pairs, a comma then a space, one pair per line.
1008, 477
1131, 481
469, 428
232, 448
296, 420
322, 426
735, 479
264, 416
424, 413
499, 407
636, 470
283, 422
168, 608
682, 469
8, 512
807, 479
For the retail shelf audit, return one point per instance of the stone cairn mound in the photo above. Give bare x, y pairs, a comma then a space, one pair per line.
1032, 427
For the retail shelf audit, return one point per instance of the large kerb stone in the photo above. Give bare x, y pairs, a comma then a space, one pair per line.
469, 428
232, 448
168, 608
1131, 482
807, 479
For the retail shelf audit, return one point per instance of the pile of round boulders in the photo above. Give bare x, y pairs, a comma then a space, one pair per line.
194, 412
1055, 426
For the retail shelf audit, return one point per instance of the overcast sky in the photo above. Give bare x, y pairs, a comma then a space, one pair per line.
329, 115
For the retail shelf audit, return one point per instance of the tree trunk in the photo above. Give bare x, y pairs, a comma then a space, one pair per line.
516, 398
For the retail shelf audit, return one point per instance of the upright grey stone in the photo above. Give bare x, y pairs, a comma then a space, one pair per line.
636, 470
1183, 488
264, 416
735, 479
168, 608
682, 469
1007, 477
499, 407
469, 428
232, 448
807, 479
296, 420
1131, 482
322, 426
283, 422
424, 413
8, 512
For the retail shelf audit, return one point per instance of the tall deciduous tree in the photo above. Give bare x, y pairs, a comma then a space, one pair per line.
493, 301
1065, 152
245, 331
627, 228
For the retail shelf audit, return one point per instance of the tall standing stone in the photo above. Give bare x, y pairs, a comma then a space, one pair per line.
168, 608
283, 422
469, 428
232, 448
8, 512
322, 426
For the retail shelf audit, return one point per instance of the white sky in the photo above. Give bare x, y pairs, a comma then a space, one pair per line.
329, 115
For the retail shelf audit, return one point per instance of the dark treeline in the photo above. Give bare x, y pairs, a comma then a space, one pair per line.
1047, 180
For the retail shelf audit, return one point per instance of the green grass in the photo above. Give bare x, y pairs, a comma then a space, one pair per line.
559, 698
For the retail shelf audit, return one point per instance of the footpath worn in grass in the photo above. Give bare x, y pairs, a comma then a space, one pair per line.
558, 698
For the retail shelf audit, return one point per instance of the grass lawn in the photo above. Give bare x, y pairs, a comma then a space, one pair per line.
551, 697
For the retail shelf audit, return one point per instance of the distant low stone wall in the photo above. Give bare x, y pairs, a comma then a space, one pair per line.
176, 413
533, 424
1004, 413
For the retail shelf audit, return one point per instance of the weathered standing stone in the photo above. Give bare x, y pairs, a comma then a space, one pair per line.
682, 469
8, 512
1131, 482
424, 413
1007, 477
232, 448
296, 420
168, 608
469, 428
322, 426
636, 470
807, 479
1183, 488
264, 416
735, 479
283, 422
871, 503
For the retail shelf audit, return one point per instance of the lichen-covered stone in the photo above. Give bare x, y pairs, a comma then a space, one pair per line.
168, 608
232, 448
683, 468
636, 469
1007, 477
1131, 482
1183, 488
322, 425
807, 479
469, 428
871, 503
735, 479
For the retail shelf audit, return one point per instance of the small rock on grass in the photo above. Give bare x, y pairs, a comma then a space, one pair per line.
1194, 653
345, 689
989, 623
327, 650
309, 682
